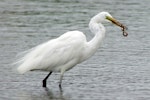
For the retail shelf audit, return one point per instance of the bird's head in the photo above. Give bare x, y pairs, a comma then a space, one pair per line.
106, 17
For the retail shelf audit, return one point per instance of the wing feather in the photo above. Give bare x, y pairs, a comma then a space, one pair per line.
54, 53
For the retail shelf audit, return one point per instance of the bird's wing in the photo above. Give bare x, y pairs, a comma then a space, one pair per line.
55, 52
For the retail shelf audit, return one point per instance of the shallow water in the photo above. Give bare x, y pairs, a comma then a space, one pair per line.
118, 71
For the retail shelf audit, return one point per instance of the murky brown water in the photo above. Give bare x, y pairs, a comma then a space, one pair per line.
120, 70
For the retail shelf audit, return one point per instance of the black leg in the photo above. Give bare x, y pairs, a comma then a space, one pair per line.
61, 77
44, 81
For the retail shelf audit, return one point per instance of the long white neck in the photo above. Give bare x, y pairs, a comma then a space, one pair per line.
99, 30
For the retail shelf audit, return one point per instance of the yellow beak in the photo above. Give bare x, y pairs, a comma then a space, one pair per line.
114, 21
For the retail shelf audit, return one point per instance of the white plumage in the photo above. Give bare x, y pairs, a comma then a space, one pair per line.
64, 52
55, 55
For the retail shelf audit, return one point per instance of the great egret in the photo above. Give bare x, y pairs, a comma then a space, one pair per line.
68, 50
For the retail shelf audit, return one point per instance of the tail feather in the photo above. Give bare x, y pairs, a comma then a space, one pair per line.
22, 69
24, 61
30, 59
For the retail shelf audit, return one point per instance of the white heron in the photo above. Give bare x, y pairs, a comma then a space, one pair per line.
68, 50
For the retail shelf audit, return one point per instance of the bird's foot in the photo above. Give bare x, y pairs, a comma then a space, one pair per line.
60, 88
44, 83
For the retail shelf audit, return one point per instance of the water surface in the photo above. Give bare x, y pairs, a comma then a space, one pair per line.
118, 71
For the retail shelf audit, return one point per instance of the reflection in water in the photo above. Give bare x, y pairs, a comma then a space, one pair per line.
45, 94
51, 95
119, 71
